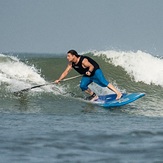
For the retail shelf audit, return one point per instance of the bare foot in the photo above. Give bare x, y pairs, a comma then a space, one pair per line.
94, 98
119, 95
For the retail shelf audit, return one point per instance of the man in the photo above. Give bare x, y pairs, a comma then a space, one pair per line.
91, 73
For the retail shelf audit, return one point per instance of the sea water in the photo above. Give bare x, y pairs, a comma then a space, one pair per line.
53, 124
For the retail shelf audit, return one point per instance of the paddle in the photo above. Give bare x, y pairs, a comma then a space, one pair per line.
37, 86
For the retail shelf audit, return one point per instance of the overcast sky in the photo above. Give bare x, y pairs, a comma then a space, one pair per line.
55, 26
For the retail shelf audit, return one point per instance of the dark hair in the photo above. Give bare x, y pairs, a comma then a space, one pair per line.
73, 52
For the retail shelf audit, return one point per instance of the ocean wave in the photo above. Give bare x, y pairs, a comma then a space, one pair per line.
18, 74
140, 66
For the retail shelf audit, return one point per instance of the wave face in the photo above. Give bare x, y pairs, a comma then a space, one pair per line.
127, 71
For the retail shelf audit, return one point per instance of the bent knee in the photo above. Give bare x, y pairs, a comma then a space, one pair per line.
83, 86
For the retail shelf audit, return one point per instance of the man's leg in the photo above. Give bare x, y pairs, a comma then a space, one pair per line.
89, 91
84, 86
101, 80
119, 94
93, 96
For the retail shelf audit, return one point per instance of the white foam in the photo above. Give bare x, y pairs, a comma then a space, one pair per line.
141, 66
17, 74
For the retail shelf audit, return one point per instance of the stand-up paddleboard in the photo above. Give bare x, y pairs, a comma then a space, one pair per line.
110, 100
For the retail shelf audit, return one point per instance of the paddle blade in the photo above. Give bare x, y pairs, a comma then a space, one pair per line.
27, 89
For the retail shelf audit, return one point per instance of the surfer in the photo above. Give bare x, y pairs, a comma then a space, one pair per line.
91, 73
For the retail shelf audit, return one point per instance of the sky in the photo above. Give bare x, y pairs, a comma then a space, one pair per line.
56, 26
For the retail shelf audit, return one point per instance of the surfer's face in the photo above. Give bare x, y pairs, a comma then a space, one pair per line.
70, 57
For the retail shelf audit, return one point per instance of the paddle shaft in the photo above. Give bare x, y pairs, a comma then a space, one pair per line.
37, 86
